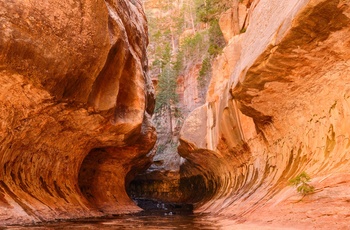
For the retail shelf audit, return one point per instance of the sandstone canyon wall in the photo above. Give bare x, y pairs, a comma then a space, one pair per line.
277, 105
75, 103
76, 99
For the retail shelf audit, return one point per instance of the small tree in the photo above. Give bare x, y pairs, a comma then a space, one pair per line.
301, 182
166, 92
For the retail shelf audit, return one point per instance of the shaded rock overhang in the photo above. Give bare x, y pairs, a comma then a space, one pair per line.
75, 104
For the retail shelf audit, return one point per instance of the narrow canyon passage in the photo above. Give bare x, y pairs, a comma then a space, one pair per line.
271, 113
266, 102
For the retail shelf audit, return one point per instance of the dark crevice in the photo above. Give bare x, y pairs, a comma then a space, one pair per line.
89, 171
59, 191
175, 192
44, 186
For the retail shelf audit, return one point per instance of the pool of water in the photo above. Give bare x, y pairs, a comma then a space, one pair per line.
148, 221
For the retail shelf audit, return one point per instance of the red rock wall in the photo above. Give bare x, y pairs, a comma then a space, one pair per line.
75, 101
188, 89
278, 104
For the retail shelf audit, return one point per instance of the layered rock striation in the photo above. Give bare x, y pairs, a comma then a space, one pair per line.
277, 105
75, 103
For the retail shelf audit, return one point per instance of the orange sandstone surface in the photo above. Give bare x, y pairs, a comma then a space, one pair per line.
278, 104
76, 101
75, 104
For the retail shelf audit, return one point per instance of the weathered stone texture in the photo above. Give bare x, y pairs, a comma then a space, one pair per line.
75, 101
278, 104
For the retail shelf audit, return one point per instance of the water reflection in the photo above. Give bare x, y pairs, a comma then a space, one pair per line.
143, 221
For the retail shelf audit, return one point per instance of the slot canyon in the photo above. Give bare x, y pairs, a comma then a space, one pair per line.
77, 98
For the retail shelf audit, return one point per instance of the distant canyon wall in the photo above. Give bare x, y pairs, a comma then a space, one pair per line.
278, 104
75, 104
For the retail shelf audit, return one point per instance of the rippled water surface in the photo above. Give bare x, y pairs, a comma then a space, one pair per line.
146, 221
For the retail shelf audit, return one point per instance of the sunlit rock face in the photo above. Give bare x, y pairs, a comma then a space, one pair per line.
278, 104
187, 88
75, 103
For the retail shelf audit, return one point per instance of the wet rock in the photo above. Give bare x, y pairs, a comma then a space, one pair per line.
154, 207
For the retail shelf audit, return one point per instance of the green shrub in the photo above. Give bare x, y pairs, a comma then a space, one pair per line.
209, 10
166, 88
243, 30
301, 182
192, 47
206, 68
216, 39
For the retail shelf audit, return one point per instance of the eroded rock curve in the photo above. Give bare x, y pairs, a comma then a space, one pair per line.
75, 103
278, 105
